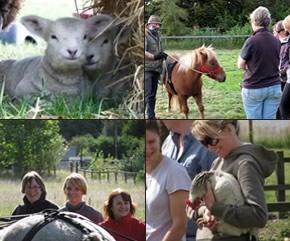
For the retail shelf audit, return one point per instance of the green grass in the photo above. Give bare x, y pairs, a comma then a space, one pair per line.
220, 100
98, 192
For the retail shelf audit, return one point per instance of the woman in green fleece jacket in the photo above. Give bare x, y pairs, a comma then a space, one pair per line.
250, 164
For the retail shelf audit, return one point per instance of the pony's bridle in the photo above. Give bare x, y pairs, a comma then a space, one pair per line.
204, 70
207, 71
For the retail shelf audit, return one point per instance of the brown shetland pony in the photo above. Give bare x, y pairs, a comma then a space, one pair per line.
186, 77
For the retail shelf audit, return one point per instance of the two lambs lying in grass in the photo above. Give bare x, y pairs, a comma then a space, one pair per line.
69, 67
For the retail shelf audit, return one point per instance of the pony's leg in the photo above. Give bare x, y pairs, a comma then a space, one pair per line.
169, 101
198, 100
183, 105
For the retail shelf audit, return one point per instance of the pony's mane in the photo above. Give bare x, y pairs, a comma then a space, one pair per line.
193, 58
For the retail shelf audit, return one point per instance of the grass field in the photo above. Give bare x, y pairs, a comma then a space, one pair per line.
98, 192
220, 100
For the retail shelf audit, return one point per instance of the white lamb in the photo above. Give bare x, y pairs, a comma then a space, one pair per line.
59, 71
226, 190
102, 62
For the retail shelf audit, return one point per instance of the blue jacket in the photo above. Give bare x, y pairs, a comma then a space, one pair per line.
195, 157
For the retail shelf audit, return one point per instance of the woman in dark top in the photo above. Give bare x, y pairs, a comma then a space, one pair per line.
259, 57
34, 198
75, 188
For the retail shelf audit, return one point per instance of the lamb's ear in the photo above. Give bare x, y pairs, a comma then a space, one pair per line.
99, 22
36, 24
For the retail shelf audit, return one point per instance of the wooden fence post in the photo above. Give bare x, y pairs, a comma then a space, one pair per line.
77, 167
108, 176
125, 174
116, 177
134, 178
281, 194
99, 174
71, 165
85, 173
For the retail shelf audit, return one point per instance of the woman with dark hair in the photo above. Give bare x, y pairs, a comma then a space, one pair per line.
34, 198
167, 185
119, 217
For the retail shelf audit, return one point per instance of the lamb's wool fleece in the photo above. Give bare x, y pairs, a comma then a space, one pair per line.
226, 190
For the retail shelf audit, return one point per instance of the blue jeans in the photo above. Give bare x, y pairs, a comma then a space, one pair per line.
262, 103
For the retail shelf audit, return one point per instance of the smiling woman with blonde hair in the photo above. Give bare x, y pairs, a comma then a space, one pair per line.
250, 164
75, 188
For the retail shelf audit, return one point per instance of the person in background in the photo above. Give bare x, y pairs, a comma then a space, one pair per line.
285, 100
75, 188
181, 146
34, 199
154, 56
259, 57
250, 164
284, 38
167, 186
119, 221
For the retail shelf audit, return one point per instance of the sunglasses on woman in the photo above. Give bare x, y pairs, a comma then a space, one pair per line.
209, 141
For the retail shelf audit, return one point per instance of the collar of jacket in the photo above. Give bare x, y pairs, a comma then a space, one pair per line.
39, 202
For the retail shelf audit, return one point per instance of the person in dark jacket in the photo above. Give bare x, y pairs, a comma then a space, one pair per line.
153, 63
259, 57
285, 100
34, 198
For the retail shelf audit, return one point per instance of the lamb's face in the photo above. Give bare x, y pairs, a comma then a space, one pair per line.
100, 52
66, 42
66, 38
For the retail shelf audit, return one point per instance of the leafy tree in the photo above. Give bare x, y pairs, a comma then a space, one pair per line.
30, 145
71, 128
173, 18
82, 142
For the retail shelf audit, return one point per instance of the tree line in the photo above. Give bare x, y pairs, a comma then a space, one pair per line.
40, 144
180, 17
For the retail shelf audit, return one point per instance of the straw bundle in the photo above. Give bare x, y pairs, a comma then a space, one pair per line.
132, 13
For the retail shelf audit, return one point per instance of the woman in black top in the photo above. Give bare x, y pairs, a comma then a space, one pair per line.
34, 198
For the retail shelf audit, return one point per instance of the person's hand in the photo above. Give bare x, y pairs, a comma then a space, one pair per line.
209, 198
208, 220
160, 55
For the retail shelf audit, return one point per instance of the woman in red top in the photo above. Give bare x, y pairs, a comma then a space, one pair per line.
118, 213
